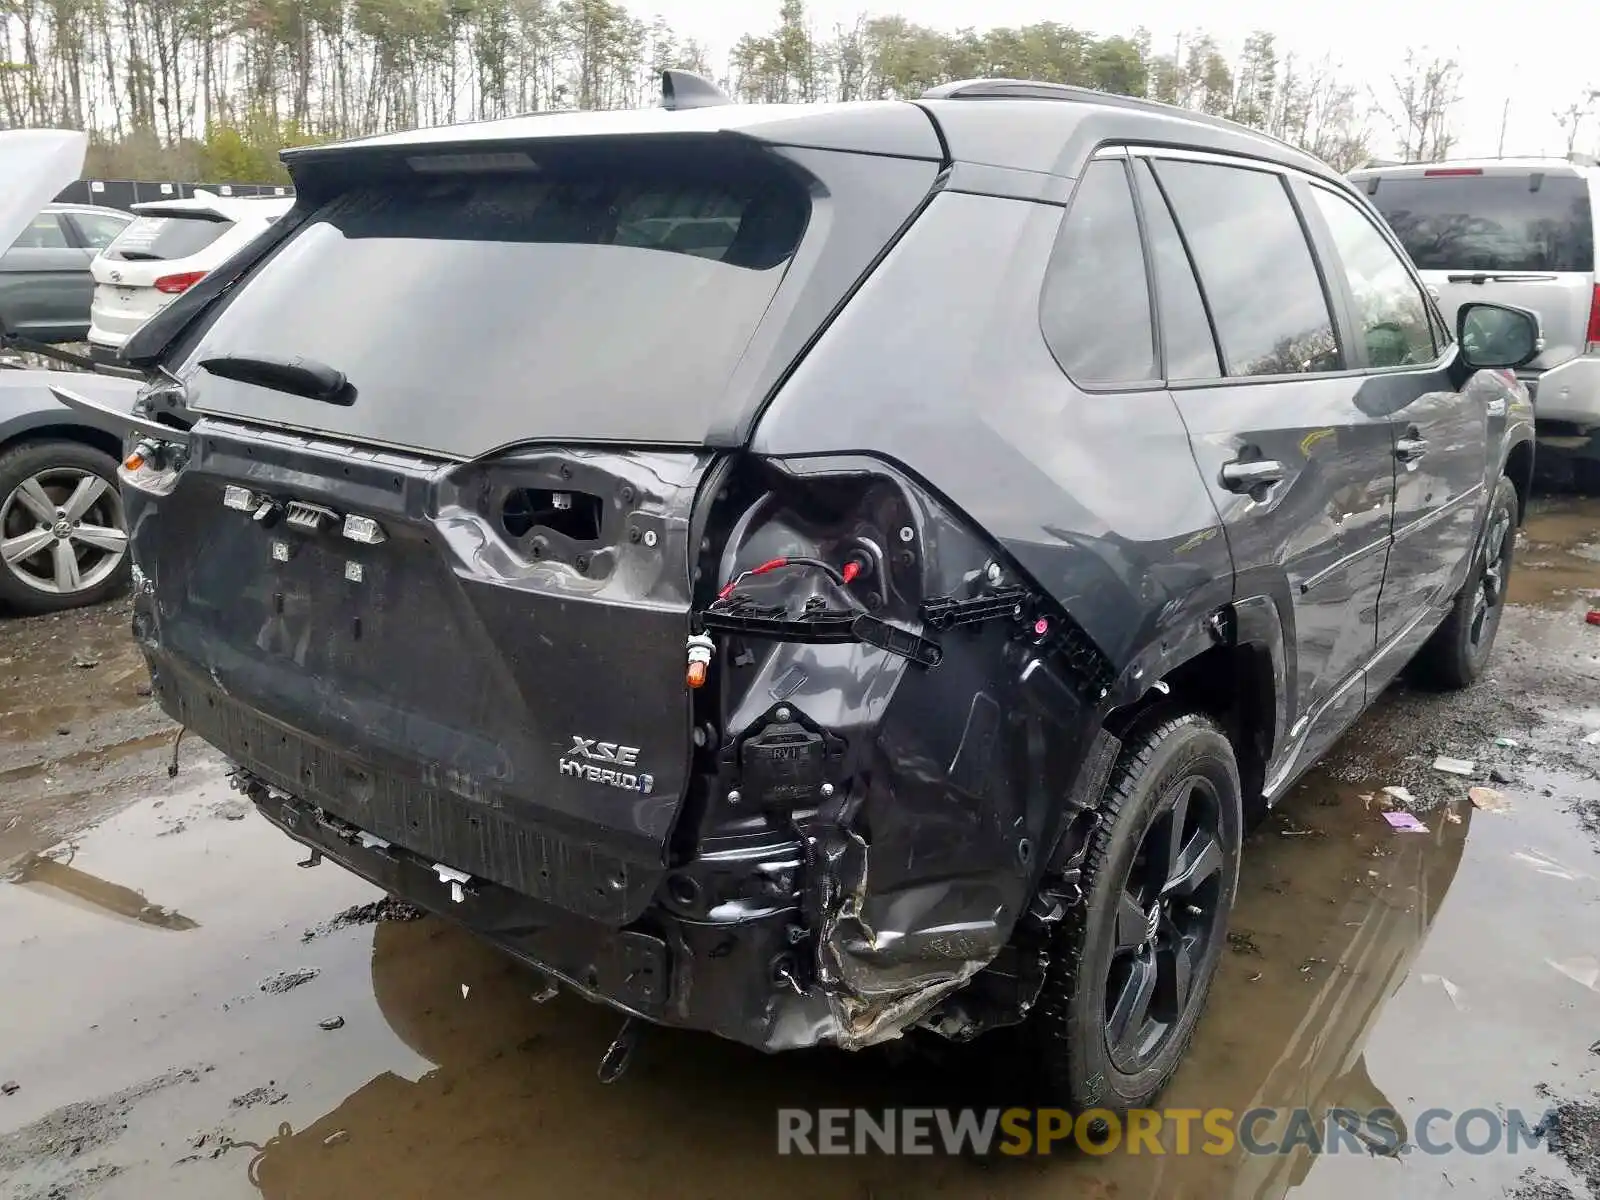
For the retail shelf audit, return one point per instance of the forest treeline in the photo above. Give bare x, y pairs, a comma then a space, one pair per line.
210, 89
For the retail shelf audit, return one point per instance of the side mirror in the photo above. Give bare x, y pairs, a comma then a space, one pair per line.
1497, 337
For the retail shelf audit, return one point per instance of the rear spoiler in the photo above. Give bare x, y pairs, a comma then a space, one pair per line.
208, 206
179, 208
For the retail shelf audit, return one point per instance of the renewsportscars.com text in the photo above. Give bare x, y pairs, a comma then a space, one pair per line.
1174, 1131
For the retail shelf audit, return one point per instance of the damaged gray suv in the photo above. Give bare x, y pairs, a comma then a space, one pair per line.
814, 573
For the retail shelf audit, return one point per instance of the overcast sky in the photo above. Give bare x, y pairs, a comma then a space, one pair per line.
1551, 65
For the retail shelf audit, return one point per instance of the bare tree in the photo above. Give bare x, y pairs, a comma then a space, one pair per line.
1422, 106
1331, 120
1575, 114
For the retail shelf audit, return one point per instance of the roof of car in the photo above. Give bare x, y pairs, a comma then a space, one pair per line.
1507, 166
1016, 124
1049, 127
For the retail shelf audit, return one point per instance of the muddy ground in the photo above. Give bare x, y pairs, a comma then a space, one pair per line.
185, 1012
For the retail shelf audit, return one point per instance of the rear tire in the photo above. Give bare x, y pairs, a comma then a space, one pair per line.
1458, 652
1115, 1014
63, 543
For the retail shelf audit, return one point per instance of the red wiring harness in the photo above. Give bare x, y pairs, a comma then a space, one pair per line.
851, 570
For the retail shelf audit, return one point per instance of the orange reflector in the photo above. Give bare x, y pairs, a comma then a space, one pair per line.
696, 676
133, 462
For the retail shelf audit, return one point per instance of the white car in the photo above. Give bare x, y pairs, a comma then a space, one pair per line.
168, 247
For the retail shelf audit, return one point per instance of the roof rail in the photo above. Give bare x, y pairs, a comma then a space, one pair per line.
685, 89
1016, 89
1036, 89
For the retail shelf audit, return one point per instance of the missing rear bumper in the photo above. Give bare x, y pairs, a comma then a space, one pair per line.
776, 944
719, 977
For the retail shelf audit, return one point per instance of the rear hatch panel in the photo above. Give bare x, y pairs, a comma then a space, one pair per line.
500, 692
1504, 234
538, 362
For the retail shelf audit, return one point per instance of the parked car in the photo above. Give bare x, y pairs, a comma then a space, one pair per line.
62, 540
884, 618
1517, 231
45, 283
169, 245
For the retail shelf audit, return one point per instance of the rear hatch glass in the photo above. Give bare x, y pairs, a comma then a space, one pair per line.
1462, 222
602, 297
1506, 236
161, 239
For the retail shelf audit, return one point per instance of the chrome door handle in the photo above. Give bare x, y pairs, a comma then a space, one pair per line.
1248, 476
1409, 449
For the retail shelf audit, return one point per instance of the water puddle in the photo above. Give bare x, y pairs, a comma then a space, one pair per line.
1558, 553
258, 1030
58, 877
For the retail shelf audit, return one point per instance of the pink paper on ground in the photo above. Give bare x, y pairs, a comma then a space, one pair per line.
1405, 822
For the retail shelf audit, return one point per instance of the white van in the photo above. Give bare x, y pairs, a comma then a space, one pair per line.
1514, 231
168, 247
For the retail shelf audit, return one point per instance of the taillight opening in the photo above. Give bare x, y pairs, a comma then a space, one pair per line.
1447, 172
1593, 337
173, 285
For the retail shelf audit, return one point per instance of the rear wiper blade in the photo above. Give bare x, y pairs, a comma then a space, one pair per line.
1499, 277
297, 376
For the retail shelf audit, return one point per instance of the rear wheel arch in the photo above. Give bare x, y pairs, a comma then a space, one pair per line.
1063, 1047
83, 435
1238, 683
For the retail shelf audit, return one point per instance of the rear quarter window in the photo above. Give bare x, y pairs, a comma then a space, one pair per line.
1095, 308
1519, 222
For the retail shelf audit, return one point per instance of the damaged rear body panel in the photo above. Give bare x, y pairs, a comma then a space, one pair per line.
635, 541
823, 844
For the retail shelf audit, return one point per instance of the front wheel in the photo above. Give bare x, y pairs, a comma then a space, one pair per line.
1132, 964
1458, 652
62, 540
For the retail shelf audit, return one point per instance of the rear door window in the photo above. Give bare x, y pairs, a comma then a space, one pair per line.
1191, 351
1095, 308
1395, 325
1255, 265
44, 232
99, 230
162, 239
1466, 222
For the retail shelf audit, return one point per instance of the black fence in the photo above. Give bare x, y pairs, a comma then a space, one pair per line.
124, 193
